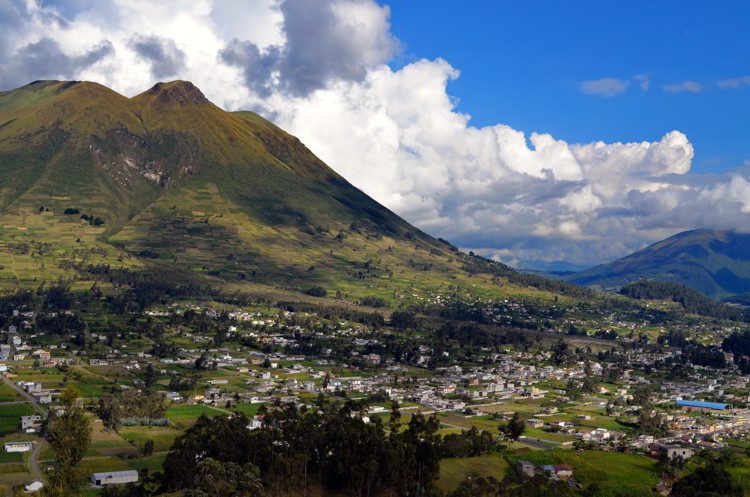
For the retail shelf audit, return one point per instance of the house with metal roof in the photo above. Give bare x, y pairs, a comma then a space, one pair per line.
114, 478
19, 446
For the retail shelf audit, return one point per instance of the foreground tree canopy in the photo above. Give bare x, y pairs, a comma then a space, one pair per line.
331, 447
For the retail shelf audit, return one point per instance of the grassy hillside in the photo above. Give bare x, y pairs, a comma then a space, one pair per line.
168, 183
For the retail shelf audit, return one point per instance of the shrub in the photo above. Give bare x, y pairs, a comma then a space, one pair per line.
92, 220
403, 319
148, 254
144, 422
316, 291
371, 301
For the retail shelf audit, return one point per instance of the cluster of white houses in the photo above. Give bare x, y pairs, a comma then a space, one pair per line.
42, 395
510, 376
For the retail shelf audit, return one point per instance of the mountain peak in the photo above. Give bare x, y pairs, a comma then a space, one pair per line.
179, 92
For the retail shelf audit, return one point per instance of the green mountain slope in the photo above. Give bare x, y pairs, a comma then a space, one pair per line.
716, 263
166, 181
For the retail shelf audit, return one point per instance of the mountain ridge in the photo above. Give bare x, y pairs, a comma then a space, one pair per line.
185, 129
167, 181
714, 262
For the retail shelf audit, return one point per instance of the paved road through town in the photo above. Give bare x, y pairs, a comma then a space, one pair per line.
34, 469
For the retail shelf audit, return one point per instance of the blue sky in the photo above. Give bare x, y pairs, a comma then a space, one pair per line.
522, 63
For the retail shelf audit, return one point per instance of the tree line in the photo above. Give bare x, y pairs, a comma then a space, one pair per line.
475, 264
691, 300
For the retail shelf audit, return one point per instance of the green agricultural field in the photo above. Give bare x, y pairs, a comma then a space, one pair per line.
10, 417
105, 442
162, 436
604, 422
10, 457
611, 471
103, 463
741, 473
45, 375
466, 422
10, 468
15, 410
248, 409
523, 408
152, 463
453, 471
187, 414
547, 435
7, 394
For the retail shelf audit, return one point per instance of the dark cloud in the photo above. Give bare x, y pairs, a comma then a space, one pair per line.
258, 66
45, 59
531, 191
323, 46
14, 17
324, 42
94, 55
165, 57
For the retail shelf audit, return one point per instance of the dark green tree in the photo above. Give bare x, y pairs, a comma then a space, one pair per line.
148, 447
709, 481
150, 376
204, 362
225, 479
394, 422
69, 435
514, 428
561, 353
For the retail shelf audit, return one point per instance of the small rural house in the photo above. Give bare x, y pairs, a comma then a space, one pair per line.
673, 451
526, 468
34, 486
30, 422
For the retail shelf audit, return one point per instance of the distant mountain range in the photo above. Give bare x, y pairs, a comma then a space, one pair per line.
715, 263
537, 266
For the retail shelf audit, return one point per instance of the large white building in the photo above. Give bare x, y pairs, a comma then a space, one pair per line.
114, 477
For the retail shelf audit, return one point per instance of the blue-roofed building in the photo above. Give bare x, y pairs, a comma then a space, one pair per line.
698, 404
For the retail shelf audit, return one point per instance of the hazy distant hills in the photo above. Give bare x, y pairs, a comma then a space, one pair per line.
716, 263
541, 267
